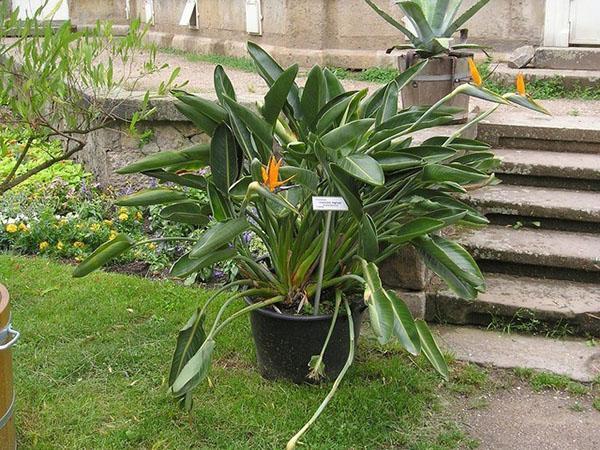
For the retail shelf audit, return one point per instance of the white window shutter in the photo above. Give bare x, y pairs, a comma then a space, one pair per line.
149, 11
189, 11
253, 17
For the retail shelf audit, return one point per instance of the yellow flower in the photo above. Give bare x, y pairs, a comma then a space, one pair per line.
113, 234
44, 246
23, 227
520, 82
477, 80
60, 245
270, 175
108, 222
94, 227
122, 210
151, 246
63, 222
78, 244
123, 217
11, 228
79, 226
78, 259
139, 216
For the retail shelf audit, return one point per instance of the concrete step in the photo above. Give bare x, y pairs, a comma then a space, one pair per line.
552, 169
539, 203
537, 253
572, 357
569, 58
524, 303
569, 78
521, 130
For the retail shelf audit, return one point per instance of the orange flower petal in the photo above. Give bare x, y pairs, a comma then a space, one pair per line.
477, 80
520, 82
265, 175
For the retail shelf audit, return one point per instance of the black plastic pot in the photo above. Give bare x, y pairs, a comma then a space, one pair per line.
285, 343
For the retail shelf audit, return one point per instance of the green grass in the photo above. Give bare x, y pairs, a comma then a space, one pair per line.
596, 403
232, 62
91, 365
468, 379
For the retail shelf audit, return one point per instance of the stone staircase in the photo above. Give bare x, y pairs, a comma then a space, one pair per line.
541, 253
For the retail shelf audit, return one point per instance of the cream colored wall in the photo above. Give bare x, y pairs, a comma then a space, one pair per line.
340, 32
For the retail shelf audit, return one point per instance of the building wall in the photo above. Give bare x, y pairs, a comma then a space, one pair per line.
338, 32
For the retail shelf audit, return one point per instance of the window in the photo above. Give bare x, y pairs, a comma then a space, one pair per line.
190, 14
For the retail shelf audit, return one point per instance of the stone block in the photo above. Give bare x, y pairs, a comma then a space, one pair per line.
415, 300
521, 57
405, 270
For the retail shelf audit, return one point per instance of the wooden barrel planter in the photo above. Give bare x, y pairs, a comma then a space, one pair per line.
8, 337
440, 76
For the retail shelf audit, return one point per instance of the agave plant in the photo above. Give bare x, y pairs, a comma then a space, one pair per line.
267, 163
434, 22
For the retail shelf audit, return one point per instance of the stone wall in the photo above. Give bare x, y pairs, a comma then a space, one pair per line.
343, 33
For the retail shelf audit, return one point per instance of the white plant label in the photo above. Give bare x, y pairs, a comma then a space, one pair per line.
329, 204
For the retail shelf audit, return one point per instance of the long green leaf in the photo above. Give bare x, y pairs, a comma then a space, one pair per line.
148, 197
189, 180
277, 96
380, 308
218, 235
314, 95
196, 369
189, 340
456, 173
185, 212
404, 325
394, 23
369, 244
186, 266
223, 86
346, 134
415, 228
224, 162
414, 13
466, 16
107, 251
255, 124
431, 349
195, 153
207, 108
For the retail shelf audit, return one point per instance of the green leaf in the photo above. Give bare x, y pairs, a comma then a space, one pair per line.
269, 70
391, 161
107, 251
526, 102
452, 263
196, 369
466, 16
256, 189
415, 228
431, 350
480, 92
314, 95
469, 145
205, 107
185, 212
394, 22
346, 134
455, 173
345, 189
189, 340
404, 325
389, 104
148, 197
277, 96
218, 235
224, 162
218, 203
369, 244
186, 266
334, 85
196, 153
256, 125
203, 122
223, 86
415, 15
363, 168
189, 180
303, 177
333, 111
381, 312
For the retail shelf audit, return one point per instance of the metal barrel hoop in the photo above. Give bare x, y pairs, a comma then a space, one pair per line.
6, 332
9, 412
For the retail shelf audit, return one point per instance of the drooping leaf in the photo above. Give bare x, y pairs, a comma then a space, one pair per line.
218, 203
207, 108
203, 122
186, 266
195, 370
188, 180
255, 124
346, 191
404, 325
185, 212
415, 228
103, 254
218, 235
189, 340
148, 197
391, 161
369, 244
455, 173
196, 153
380, 308
431, 350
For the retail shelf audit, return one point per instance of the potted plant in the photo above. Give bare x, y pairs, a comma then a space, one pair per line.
307, 290
433, 24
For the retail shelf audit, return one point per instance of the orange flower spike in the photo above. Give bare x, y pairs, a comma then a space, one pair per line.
521, 84
270, 175
477, 80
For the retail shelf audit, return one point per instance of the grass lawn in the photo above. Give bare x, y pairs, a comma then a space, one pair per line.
92, 363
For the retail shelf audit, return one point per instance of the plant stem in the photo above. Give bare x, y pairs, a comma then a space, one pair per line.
338, 301
291, 445
322, 262
248, 309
